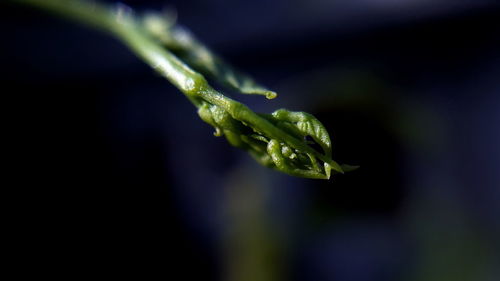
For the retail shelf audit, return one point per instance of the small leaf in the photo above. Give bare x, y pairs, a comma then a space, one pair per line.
307, 125
349, 168
185, 45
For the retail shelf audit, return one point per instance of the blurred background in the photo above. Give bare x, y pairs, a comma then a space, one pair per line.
125, 178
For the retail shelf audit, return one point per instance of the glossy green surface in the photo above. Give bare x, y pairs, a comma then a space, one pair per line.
277, 140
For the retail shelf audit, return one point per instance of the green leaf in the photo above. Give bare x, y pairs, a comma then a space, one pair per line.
307, 125
200, 57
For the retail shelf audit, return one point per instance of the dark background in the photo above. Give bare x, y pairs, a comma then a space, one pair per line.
116, 175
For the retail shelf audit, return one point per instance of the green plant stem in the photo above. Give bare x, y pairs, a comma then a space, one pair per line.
122, 23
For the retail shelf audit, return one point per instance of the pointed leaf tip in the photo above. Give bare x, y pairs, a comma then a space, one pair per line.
349, 168
336, 167
328, 170
271, 95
